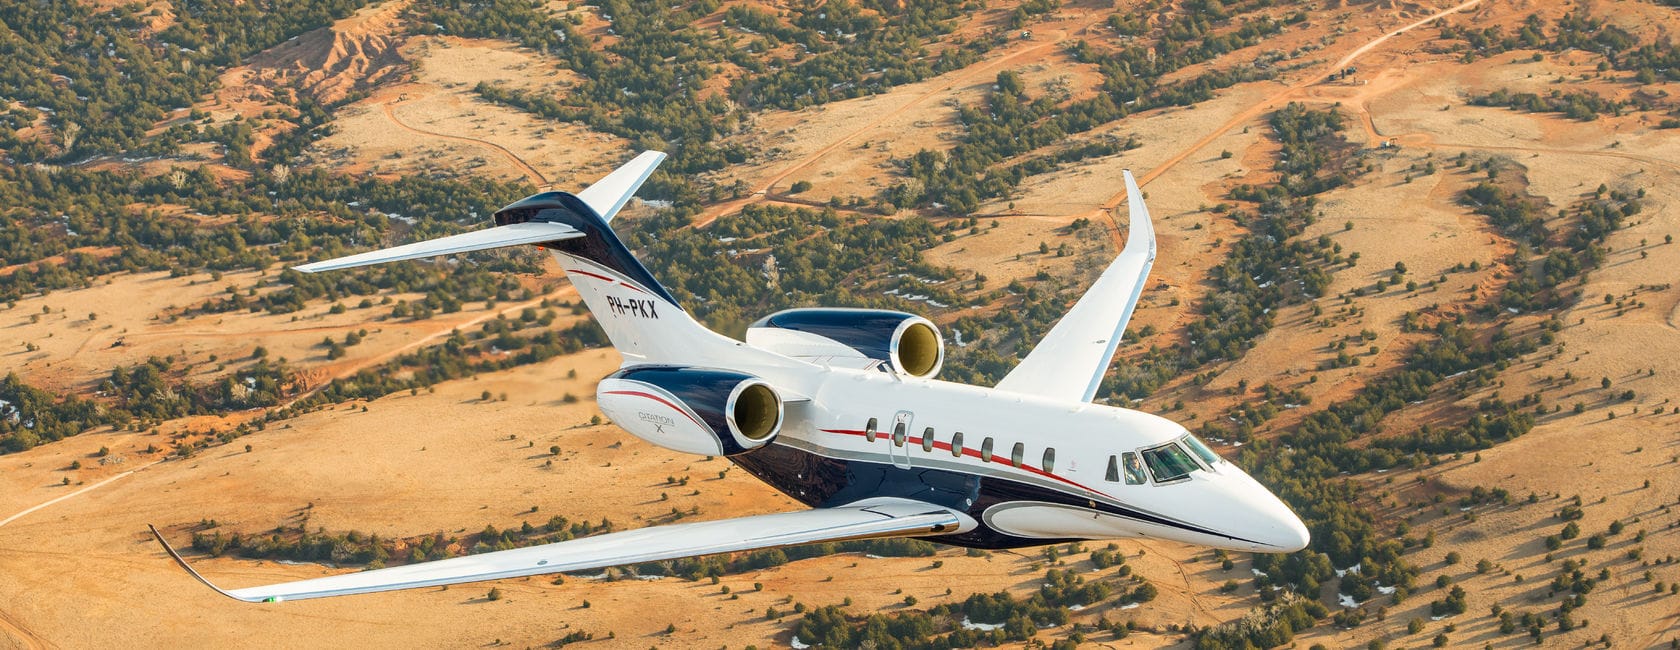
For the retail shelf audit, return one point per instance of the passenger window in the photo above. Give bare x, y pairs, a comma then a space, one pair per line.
986, 450
1134, 469
1049, 459
1113, 473
1017, 453
956, 444
869, 430
898, 435
927, 439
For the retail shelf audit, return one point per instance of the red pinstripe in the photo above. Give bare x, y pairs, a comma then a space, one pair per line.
967, 452
661, 400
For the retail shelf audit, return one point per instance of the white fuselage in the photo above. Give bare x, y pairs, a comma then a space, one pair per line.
1064, 448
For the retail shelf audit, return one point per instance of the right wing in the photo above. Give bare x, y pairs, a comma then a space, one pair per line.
872, 518
1071, 360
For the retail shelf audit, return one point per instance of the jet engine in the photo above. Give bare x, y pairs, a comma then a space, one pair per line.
908, 344
693, 410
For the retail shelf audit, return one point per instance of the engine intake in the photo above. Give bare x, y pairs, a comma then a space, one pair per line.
693, 410
908, 344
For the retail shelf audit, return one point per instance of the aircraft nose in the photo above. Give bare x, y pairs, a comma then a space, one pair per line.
1270, 521
1288, 533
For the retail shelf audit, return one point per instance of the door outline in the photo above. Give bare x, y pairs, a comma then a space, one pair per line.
898, 447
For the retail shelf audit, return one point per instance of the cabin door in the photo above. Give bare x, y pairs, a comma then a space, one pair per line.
900, 447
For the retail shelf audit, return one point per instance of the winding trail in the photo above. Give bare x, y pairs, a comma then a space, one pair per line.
1187, 588
9, 627
524, 167
1282, 96
1108, 207
89, 488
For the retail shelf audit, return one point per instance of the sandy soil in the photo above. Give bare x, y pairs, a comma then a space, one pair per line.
443, 461
436, 124
81, 335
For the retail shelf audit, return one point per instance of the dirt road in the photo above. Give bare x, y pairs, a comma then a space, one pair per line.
524, 167
1281, 97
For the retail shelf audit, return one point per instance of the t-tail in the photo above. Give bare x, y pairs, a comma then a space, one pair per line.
641, 318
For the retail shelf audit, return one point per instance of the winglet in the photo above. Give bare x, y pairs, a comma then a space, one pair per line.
183, 563
1142, 230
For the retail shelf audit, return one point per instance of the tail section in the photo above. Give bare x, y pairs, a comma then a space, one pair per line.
641, 318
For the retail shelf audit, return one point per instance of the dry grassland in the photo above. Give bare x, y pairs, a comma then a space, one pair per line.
444, 460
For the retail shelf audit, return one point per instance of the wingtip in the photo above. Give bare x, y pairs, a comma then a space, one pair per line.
182, 562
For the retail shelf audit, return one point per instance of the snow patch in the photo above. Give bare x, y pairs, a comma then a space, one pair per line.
982, 627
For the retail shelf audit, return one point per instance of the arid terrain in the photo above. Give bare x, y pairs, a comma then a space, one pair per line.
79, 569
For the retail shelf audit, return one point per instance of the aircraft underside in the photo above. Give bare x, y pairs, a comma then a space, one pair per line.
820, 481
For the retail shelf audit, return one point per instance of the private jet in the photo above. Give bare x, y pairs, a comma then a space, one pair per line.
841, 410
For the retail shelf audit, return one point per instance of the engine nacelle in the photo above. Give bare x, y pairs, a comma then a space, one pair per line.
693, 410
908, 344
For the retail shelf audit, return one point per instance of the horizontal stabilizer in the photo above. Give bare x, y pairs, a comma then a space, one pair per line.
497, 237
882, 517
608, 195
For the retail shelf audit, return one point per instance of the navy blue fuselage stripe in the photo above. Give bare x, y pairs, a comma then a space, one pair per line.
821, 481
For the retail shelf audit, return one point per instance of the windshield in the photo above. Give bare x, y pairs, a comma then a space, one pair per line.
1169, 462
1200, 449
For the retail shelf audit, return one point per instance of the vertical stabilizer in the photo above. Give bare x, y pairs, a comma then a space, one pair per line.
643, 320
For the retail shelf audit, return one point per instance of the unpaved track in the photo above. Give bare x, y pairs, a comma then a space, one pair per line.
25, 639
1256, 110
524, 167
89, 488
1281, 97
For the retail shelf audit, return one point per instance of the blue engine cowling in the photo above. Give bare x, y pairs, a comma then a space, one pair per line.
693, 410
906, 343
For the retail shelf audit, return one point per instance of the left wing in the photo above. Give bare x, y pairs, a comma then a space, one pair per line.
883, 517
1069, 363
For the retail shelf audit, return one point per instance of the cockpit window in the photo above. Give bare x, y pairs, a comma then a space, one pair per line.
1134, 470
1169, 462
1200, 450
